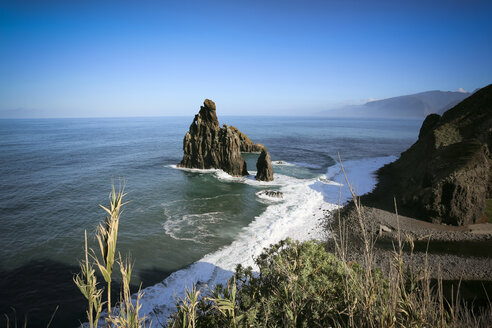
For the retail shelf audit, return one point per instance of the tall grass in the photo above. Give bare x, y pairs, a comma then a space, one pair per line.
127, 311
86, 281
24, 325
107, 236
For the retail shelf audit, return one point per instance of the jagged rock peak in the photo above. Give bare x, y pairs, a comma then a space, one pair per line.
264, 166
207, 115
209, 104
206, 145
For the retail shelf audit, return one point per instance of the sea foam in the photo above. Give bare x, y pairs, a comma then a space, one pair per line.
299, 215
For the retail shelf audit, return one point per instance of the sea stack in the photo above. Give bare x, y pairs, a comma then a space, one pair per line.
264, 166
207, 145
446, 175
247, 146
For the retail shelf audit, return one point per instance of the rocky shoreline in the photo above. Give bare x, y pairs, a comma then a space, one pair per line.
439, 186
447, 263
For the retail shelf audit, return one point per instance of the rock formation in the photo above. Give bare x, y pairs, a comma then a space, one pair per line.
264, 169
206, 145
446, 175
272, 193
247, 146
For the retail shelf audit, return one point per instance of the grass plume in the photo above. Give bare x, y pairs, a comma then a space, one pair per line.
107, 237
127, 314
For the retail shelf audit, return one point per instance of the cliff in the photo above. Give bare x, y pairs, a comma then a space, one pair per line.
445, 176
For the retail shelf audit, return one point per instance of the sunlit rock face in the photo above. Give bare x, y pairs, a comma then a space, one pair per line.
446, 175
207, 145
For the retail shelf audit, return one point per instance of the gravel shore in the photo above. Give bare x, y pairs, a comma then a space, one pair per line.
453, 253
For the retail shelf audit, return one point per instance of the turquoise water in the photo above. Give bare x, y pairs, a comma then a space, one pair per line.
55, 172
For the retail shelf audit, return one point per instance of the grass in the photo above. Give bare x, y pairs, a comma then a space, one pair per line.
126, 314
16, 324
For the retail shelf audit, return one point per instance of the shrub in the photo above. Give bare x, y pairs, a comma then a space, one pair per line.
298, 285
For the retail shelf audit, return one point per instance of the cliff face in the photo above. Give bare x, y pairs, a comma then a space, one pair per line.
206, 145
445, 176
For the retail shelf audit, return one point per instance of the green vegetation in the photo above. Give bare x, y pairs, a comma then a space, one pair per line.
297, 284
303, 285
127, 312
488, 210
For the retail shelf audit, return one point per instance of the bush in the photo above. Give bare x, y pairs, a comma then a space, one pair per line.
298, 285
302, 285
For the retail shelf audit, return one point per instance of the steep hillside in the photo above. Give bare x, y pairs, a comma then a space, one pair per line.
445, 176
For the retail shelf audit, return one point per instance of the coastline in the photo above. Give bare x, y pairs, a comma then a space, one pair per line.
430, 241
300, 215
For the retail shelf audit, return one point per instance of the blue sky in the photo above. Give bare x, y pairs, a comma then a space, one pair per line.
153, 58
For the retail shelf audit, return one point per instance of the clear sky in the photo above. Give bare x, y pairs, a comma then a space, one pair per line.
153, 58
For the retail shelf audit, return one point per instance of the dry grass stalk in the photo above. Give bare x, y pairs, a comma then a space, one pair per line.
86, 281
127, 315
107, 236
186, 316
404, 297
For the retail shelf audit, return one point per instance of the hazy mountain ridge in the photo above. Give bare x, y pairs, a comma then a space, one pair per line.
417, 105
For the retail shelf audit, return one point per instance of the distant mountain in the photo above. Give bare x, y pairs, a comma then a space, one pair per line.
417, 105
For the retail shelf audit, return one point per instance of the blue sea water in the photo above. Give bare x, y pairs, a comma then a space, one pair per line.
54, 173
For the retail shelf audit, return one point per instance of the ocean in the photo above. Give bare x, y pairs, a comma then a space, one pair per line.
180, 226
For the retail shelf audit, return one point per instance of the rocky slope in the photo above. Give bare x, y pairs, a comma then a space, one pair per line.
207, 145
445, 176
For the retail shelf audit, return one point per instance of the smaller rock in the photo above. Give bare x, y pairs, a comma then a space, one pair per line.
264, 166
383, 228
272, 193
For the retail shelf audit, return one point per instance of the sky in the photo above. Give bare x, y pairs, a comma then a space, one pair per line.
157, 58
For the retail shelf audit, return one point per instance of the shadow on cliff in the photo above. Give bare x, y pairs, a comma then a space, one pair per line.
35, 289
383, 195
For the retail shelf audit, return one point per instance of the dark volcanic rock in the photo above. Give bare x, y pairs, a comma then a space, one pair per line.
206, 145
264, 166
272, 193
445, 176
247, 146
